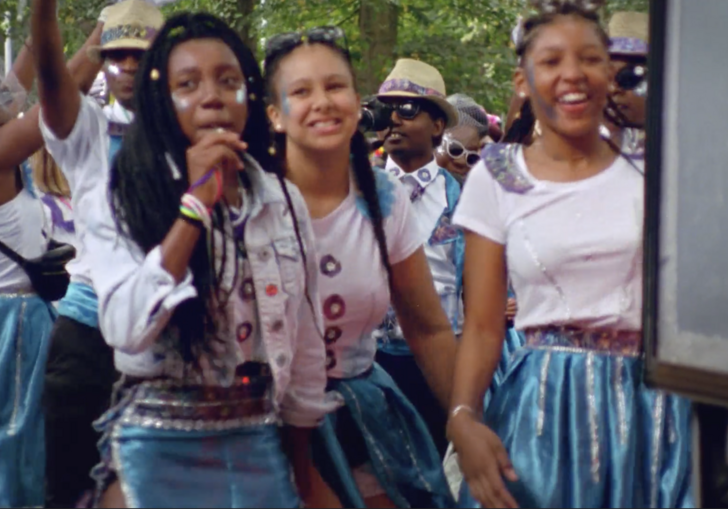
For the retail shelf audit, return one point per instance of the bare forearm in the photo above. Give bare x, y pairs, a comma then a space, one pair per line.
81, 67
177, 248
477, 359
435, 355
58, 92
23, 66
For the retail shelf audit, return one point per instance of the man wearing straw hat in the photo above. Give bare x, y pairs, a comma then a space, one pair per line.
82, 137
421, 113
629, 47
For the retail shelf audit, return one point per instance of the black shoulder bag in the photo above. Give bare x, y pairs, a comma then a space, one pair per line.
47, 273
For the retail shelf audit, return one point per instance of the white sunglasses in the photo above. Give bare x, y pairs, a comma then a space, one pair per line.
456, 150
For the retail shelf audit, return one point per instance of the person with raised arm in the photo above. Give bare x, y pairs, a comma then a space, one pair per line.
27, 314
80, 372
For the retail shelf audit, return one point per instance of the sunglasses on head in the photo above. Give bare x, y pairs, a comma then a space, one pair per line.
630, 77
288, 40
456, 150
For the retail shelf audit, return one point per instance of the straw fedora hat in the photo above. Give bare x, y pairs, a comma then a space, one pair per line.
412, 78
131, 24
629, 34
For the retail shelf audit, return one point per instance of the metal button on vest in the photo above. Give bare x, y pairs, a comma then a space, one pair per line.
276, 326
264, 255
281, 360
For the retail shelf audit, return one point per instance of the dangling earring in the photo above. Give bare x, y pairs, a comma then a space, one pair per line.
537, 129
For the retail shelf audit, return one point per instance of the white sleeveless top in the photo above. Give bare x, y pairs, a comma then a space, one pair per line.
21, 224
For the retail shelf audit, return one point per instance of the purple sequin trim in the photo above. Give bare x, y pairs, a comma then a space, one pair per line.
444, 232
407, 86
141, 33
500, 160
628, 46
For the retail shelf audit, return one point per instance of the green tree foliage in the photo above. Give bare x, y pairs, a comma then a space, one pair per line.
467, 40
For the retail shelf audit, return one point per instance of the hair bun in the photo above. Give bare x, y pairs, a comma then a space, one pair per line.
555, 6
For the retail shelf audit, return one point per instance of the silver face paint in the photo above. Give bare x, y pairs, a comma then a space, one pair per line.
241, 96
180, 103
641, 90
112, 68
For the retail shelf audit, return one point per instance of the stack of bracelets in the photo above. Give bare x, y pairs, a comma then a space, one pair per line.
192, 209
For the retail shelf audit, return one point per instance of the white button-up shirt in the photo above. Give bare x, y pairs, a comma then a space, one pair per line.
428, 194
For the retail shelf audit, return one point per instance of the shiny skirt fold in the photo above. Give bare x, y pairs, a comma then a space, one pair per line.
582, 430
394, 439
25, 327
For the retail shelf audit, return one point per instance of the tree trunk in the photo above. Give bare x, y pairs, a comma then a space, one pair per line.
245, 26
378, 21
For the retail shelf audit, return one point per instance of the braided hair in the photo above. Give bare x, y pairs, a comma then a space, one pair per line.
362, 168
151, 168
549, 11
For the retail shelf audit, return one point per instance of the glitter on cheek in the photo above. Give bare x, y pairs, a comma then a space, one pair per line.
112, 69
241, 96
549, 110
285, 104
180, 103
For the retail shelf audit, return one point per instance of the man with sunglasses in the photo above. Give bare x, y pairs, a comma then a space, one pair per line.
628, 93
415, 91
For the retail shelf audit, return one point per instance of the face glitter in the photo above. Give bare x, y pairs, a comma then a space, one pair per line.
112, 69
242, 94
180, 103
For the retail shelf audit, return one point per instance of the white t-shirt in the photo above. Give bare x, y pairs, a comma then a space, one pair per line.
574, 250
84, 159
21, 220
352, 280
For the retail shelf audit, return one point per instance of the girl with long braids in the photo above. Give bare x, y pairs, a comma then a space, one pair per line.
368, 249
572, 424
205, 270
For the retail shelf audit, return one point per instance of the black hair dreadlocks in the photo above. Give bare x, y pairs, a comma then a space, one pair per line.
144, 192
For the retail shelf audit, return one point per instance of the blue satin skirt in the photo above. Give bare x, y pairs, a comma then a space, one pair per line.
582, 429
203, 456
25, 327
393, 438
512, 342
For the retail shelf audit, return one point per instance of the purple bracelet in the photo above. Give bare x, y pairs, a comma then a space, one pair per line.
204, 179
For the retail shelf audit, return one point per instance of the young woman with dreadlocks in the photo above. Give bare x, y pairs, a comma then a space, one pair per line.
572, 424
369, 247
204, 268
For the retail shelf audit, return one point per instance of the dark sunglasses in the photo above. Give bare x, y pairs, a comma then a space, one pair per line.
406, 109
630, 77
288, 40
455, 149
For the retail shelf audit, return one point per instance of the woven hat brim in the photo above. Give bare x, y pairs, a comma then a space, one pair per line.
94, 52
451, 113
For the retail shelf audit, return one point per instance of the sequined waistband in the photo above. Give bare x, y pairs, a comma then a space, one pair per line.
15, 295
624, 343
168, 404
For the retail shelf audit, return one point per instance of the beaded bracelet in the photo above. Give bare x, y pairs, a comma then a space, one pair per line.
192, 221
193, 208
